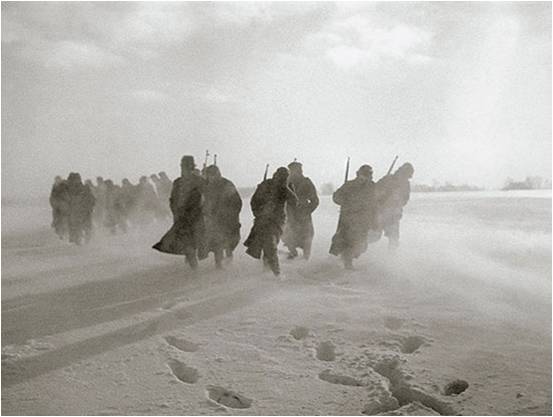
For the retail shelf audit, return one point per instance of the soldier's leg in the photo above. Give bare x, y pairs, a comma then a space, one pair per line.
191, 258
347, 258
392, 232
228, 253
293, 252
307, 248
87, 233
218, 258
270, 253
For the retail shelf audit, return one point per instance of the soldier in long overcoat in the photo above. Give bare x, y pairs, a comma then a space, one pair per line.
222, 214
81, 206
392, 193
357, 202
267, 205
187, 235
59, 201
298, 230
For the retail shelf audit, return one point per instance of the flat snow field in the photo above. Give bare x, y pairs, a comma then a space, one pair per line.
117, 328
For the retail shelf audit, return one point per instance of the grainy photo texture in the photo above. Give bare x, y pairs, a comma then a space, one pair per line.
276, 208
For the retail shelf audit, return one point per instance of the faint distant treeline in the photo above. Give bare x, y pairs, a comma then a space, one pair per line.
530, 183
440, 188
327, 188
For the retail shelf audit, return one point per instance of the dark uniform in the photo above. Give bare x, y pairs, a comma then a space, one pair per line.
187, 235
298, 231
357, 202
267, 205
81, 205
99, 193
147, 205
393, 192
114, 216
129, 195
222, 214
59, 200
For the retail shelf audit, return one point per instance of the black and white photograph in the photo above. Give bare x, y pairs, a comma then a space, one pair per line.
276, 208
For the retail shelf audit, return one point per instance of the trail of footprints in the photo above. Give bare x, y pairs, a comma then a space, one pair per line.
189, 375
397, 397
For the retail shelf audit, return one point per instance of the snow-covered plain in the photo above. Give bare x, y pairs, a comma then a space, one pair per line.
117, 328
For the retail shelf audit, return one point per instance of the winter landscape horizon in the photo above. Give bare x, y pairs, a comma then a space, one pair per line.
202, 213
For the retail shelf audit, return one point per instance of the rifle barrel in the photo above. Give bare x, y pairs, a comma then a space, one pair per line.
347, 170
392, 166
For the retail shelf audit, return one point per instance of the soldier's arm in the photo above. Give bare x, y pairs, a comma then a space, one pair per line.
313, 197
339, 195
291, 197
258, 199
173, 199
407, 193
52, 198
234, 199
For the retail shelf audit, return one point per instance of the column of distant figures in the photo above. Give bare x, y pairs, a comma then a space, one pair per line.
79, 207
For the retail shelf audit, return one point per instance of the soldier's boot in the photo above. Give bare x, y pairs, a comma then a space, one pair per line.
307, 250
266, 263
218, 258
87, 235
293, 253
275, 267
191, 259
348, 260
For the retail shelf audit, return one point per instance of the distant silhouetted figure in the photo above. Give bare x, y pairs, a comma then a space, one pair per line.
298, 231
187, 235
147, 205
222, 214
357, 202
393, 192
114, 218
81, 206
267, 205
59, 200
99, 192
129, 195
162, 207
164, 191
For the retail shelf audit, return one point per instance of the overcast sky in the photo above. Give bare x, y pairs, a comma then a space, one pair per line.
462, 90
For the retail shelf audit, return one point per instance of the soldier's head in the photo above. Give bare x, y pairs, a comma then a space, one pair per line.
99, 180
212, 173
125, 182
143, 179
154, 178
58, 180
365, 172
109, 183
296, 169
187, 165
163, 175
406, 170
74, 178
88, 183
281, 175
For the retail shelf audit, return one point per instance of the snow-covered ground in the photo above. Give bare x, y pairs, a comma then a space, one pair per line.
117, 328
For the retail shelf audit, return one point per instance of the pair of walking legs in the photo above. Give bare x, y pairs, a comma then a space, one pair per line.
270, 256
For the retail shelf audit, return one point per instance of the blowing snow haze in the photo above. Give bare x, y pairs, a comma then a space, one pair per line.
462, 90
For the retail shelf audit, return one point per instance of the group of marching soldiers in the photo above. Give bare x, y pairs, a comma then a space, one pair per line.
77, 208
206, 209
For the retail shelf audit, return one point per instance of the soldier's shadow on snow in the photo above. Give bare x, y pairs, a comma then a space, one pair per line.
91, 303
178, 317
